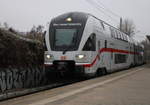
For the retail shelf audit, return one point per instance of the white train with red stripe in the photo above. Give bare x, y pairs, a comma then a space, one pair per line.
81, 43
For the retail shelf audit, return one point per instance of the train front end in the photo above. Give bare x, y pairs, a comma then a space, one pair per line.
63, 39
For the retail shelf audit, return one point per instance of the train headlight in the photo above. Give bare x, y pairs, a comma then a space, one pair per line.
80, 56
69, 19
48, 56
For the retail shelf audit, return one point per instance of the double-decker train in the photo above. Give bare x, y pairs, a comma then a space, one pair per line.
83, 44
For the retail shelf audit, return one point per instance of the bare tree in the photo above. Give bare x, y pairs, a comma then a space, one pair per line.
36, 33
128, 27
6, 26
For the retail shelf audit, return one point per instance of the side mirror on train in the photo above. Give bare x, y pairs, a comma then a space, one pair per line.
44, 41
44, 33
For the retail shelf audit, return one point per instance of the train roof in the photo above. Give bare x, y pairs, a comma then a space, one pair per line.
82, 17
107, 23
76, 17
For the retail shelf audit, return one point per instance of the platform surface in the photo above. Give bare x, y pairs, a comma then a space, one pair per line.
129, 87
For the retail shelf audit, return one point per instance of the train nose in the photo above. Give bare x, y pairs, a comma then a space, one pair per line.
61, 65
64, 65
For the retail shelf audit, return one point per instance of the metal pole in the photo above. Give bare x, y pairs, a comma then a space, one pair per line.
120, 24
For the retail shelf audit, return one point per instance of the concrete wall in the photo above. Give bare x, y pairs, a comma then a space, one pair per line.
12, 78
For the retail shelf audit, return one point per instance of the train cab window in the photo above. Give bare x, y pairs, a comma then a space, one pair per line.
65, 37
90, 45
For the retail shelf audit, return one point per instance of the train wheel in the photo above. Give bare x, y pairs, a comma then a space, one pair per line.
104, 71
101, 72
98, 73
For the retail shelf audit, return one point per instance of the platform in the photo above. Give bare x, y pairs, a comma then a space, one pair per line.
128, 87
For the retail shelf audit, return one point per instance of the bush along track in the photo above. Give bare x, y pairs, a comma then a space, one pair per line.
21, 61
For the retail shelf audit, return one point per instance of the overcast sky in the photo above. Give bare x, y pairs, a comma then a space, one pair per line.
23, 14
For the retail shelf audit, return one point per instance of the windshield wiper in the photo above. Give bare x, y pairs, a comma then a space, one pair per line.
66, 49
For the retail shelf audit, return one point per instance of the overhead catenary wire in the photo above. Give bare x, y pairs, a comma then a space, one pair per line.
100, 8
107, 9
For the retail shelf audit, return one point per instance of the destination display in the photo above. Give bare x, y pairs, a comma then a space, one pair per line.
68, 24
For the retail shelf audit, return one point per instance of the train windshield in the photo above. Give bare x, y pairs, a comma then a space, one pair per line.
65, 37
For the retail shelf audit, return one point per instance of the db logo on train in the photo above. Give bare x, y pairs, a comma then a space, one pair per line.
63, 57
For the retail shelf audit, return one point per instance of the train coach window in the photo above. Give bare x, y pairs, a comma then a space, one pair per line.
105, 43
116, 34
121, 36
126, 38
112, 33
120, 58
90, 45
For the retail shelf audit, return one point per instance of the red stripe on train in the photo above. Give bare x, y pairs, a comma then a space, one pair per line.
108, 50
94, 61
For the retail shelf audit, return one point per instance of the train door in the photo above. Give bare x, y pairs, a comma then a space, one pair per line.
112, 57
107, 56
94, 52
98, 51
